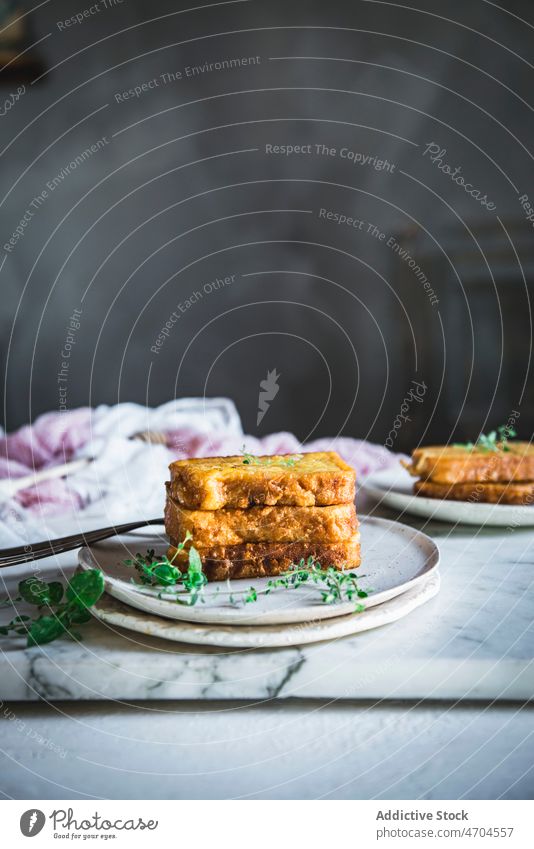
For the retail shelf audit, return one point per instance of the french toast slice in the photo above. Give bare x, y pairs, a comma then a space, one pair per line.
264, 559
493, 493
443, 464
237, 482
334, 523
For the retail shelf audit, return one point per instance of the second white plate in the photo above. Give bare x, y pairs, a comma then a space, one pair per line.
115, 614
395, 558
394, 488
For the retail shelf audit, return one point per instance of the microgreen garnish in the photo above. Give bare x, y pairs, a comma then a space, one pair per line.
290, 461
253, 460
497, 440
249, 459
59, 608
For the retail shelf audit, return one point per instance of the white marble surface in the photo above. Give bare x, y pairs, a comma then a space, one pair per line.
475, 640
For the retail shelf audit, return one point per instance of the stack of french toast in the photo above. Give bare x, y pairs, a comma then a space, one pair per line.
504, 474
252, 517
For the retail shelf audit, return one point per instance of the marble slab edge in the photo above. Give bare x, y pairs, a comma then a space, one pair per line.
326, 672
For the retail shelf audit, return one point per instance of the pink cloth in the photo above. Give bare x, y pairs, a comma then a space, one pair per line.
52, 440
55, 438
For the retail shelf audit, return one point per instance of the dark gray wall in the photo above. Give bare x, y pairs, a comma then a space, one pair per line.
178, 198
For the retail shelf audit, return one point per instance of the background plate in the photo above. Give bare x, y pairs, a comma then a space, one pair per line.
395, 558
394, 488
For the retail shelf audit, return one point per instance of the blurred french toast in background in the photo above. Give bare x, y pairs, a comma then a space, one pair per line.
493, 469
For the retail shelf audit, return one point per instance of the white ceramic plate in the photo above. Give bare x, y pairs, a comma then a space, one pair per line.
395, 558
116, 614
394, 488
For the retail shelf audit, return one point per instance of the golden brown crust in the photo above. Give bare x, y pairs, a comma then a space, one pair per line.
212, 483
260, 560
493, 493
444, 464
261, 524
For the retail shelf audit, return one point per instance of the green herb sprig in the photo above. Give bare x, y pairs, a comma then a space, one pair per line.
334, 586
496, 440
161, 571
253, 460
59, 608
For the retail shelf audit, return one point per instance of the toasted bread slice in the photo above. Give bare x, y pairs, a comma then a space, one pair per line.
261, 524
301, 480
263, 559
449, 464
494, 493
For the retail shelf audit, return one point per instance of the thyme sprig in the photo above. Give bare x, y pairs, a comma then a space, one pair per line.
334, 586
